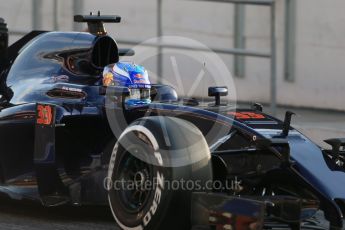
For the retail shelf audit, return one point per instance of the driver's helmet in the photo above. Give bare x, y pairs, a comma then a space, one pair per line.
130, 75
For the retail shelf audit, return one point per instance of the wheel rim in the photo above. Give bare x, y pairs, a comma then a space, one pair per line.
136, 179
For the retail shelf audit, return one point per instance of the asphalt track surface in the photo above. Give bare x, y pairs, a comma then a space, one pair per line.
16, 215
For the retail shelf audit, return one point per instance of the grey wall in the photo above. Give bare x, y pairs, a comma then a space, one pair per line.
320, 48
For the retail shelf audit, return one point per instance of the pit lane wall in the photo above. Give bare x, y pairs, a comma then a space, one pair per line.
320, 48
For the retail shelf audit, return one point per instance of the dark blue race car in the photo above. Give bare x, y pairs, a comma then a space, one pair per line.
66, 138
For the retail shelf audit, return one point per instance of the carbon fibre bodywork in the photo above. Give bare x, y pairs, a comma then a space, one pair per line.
66, 160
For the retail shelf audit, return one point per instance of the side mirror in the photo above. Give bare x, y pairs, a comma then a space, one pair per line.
217, 92
257, 107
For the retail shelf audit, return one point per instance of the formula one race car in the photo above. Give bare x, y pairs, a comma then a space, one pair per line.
66, 138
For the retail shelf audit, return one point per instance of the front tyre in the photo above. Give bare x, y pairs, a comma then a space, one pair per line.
155, 166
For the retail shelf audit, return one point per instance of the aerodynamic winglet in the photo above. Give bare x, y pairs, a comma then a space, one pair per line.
97, 18
96, 22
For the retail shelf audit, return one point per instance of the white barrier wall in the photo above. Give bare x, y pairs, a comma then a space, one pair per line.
320, 48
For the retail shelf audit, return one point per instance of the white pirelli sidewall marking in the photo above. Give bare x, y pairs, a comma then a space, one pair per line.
160, 178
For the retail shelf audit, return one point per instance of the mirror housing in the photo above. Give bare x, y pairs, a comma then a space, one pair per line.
217, 92
257, 107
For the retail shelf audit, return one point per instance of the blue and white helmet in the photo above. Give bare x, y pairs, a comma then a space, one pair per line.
130, 75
